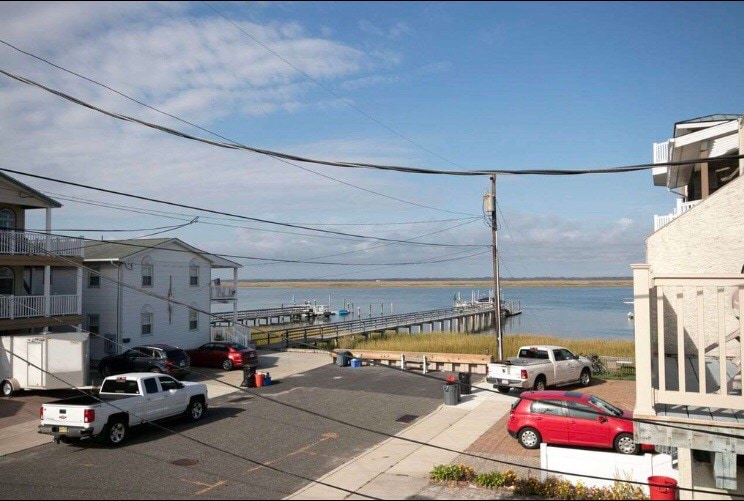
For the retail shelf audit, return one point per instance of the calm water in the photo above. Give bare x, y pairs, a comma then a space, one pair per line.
563, 311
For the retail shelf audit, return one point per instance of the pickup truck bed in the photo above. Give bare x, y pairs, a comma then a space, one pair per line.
91, 399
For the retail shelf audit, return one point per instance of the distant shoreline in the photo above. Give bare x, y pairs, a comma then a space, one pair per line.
580, 282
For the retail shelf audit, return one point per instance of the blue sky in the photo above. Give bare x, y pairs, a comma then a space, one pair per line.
485, 85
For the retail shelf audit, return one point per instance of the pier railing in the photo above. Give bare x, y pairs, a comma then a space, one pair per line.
335, 330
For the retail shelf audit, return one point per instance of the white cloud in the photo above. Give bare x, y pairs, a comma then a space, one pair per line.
394, 32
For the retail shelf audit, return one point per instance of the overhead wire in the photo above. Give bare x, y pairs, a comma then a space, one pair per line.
357, 165
231, 141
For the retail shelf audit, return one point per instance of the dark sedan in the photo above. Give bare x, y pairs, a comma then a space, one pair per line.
224, 354
160, 358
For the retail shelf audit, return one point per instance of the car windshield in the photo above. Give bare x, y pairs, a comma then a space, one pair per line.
238, 347
605, 406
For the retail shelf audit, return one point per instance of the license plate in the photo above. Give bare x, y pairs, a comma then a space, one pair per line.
504, 381
63, 429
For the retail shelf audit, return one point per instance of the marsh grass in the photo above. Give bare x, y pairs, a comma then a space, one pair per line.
480, 344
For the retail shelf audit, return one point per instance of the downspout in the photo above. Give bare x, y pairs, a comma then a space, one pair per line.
118, 303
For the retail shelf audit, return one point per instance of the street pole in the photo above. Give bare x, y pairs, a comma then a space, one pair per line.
497, 289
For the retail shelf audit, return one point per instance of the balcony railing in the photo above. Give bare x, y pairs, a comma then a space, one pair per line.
681, 208
18, 242
12, 307
234, 333
688, 332
222, 292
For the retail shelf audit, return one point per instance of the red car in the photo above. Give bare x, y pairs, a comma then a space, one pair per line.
571, 418
224, 354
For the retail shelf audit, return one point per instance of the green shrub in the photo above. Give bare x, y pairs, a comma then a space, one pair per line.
452, 473
492, 480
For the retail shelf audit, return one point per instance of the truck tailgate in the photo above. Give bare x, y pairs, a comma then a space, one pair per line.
504, 371
64, 415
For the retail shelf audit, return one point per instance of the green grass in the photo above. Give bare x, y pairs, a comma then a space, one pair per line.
479, 344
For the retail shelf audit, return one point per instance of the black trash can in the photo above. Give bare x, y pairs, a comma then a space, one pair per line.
451, 393
343, 358
465, 387
249, 377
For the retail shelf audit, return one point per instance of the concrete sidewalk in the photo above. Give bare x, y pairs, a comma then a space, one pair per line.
396, 469
23, 435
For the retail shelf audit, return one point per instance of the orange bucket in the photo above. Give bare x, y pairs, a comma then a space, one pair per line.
260, 379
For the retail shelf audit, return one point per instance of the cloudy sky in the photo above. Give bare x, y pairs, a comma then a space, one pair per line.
442, 85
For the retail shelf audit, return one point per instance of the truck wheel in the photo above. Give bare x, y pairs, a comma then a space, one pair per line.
7, 389
539, 384
503, 389
227, 364
529, 438
115, 432
586, 377
625, 444
196, 409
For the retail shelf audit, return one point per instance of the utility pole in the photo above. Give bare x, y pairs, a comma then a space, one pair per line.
490, 206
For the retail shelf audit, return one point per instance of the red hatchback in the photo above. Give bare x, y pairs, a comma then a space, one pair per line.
570, 418
224, 354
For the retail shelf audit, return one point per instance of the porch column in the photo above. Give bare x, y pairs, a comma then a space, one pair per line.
79, 290
741, 147
47, 290
642, 283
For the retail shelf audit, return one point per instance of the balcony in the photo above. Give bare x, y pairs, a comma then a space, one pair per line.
15, 242
14, 307
681, 208
223, 292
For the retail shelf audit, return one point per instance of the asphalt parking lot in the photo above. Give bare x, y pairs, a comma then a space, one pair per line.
157, 464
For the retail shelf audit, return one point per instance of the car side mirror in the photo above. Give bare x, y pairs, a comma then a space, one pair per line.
602, 419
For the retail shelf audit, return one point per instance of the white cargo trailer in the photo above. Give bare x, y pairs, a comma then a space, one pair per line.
40, 358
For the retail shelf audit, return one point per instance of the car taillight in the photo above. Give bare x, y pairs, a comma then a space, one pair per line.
524, 374
89, 415
169, 363
41, 412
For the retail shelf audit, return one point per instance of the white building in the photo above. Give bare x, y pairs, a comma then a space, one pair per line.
689, 310
123, 298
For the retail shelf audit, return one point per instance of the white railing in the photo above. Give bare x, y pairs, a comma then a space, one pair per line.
220, 292
661, 152
688, 332
234, 333
12, 307
24, 243
681, 208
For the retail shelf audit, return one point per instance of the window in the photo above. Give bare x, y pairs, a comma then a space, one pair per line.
561, 355
193, 320
7, 219
147, 269
550, 407
94, 324
194, 274
533, 353
7, 277
582, 411
151, 386
146, 320
168, 383
94, 277
120, 385
607, 407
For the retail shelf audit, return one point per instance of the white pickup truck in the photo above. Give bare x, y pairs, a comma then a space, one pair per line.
124, 401
537, 367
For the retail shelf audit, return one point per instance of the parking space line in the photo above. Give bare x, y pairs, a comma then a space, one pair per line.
207, 487
303, 450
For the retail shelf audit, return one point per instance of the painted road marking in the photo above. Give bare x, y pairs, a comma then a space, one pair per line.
207, 487
303, 450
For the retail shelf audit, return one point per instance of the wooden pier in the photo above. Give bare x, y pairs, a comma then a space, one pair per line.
473, 319
271, 316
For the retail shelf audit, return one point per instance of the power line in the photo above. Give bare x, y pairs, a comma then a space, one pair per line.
328, 89
215, 134
238, 216
358, 165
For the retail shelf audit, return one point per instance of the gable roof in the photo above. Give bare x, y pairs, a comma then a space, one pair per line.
117, 250
45, 200
717, 117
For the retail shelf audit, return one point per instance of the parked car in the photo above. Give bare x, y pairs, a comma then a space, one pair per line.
124, 401
571, 418
224, 354
161, 358
537, 367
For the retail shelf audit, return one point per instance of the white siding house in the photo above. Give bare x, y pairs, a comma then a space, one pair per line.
125, 297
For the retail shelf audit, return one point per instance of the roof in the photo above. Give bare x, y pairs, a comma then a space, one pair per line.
117, 250
35, 193
717, 117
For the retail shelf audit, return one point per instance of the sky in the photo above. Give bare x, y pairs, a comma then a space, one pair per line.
438, 85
